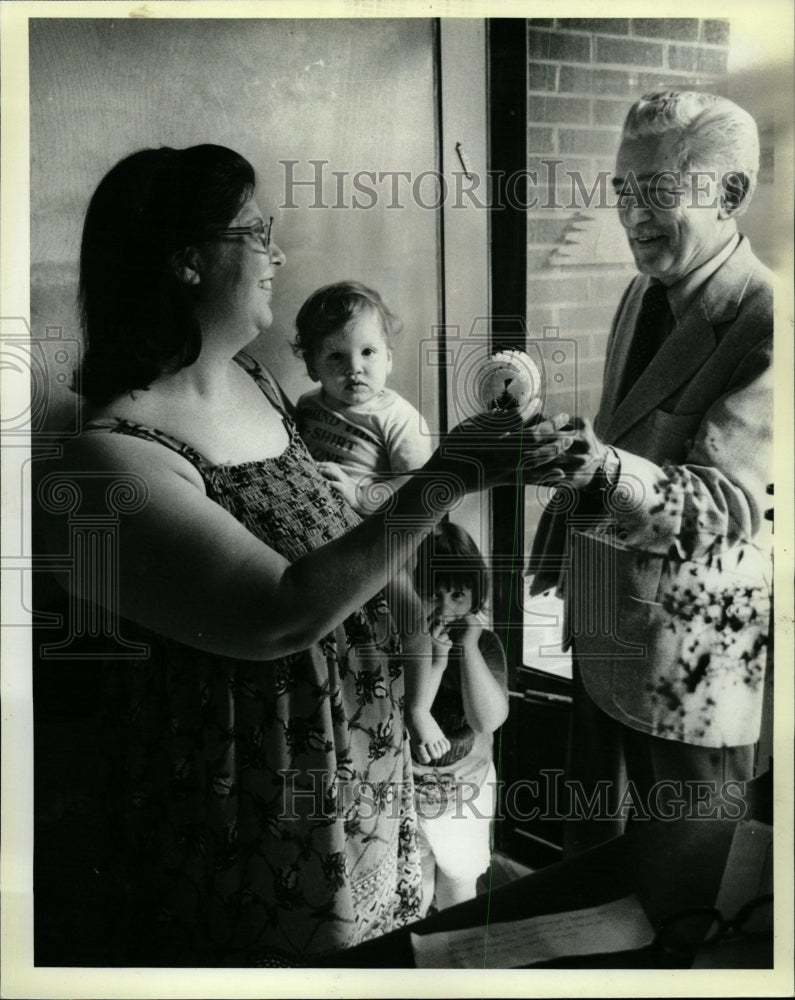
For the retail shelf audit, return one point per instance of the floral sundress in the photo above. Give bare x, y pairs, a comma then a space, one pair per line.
262, 812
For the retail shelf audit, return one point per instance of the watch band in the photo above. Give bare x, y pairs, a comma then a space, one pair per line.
607, 475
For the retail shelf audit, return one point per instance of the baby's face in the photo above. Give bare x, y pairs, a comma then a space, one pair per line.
353, 364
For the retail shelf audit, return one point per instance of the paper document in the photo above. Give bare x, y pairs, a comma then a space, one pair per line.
618, 926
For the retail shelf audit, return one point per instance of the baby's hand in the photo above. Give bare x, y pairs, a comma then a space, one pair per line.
340, 481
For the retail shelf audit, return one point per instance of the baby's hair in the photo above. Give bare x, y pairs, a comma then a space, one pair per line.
331, 308
449, 558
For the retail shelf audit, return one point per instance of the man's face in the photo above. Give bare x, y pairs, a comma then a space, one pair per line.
674, 221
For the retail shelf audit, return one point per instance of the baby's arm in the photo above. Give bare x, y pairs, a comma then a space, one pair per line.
423, 670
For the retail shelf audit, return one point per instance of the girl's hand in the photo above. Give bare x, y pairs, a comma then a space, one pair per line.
441, 643
466, 631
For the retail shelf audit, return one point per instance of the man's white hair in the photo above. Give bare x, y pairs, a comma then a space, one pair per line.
714, 133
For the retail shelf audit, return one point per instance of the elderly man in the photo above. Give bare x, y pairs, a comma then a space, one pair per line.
665, 568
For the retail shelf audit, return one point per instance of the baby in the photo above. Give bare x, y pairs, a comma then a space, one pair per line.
362, 434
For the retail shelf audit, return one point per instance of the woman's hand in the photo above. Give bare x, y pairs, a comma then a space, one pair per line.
494, 448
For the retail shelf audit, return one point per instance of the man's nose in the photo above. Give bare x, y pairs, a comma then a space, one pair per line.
633, 213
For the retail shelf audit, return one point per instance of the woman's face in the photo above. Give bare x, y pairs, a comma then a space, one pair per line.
236, 279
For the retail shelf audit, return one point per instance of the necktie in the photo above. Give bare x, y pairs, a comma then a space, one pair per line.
651, 326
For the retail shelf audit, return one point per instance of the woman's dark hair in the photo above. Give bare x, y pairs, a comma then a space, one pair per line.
137, 316
331, 308
449, 558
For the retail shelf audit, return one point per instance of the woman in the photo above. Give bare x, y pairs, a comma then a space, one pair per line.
261, 793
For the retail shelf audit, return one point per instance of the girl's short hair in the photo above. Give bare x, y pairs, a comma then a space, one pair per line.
138, 318
331, 308
449, 558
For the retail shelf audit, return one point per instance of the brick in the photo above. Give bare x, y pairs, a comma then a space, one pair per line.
579, 80
550, 168
542, 76
682, 57
553, 186
590, 372
684, 29
591, 346
693, 59
538, 260
608, 288
627, 53
557, 290
606, 25
587, 317
540, 140
559, 47
643, 83
558, 109
610, 112
541, 316
546, 231
712, 61
766, 154
589, 190
588, 141
715, 32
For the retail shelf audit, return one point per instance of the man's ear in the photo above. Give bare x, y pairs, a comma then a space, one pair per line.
185, 264
734, 195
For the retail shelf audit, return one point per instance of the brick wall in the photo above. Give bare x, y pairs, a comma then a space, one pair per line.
582, 76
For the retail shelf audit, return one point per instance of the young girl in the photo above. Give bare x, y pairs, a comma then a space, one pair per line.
455, 793
362, 433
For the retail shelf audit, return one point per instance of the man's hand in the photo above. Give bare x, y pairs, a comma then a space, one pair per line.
492, 448
583, 458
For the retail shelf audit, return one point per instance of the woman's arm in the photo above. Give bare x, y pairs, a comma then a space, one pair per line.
189, 570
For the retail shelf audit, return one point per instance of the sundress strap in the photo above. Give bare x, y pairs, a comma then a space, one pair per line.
266, 382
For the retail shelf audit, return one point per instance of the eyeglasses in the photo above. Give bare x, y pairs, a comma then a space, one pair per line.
259, 230
680, 935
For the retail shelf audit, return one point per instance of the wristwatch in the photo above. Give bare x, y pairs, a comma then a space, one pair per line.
608, 473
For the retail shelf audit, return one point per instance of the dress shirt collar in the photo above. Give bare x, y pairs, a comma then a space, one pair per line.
682, 292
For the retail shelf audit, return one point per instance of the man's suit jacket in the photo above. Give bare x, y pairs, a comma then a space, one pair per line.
666, 578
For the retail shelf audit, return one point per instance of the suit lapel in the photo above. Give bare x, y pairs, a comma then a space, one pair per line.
685, 350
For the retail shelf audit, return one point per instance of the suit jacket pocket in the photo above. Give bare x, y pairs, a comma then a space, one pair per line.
670, 435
